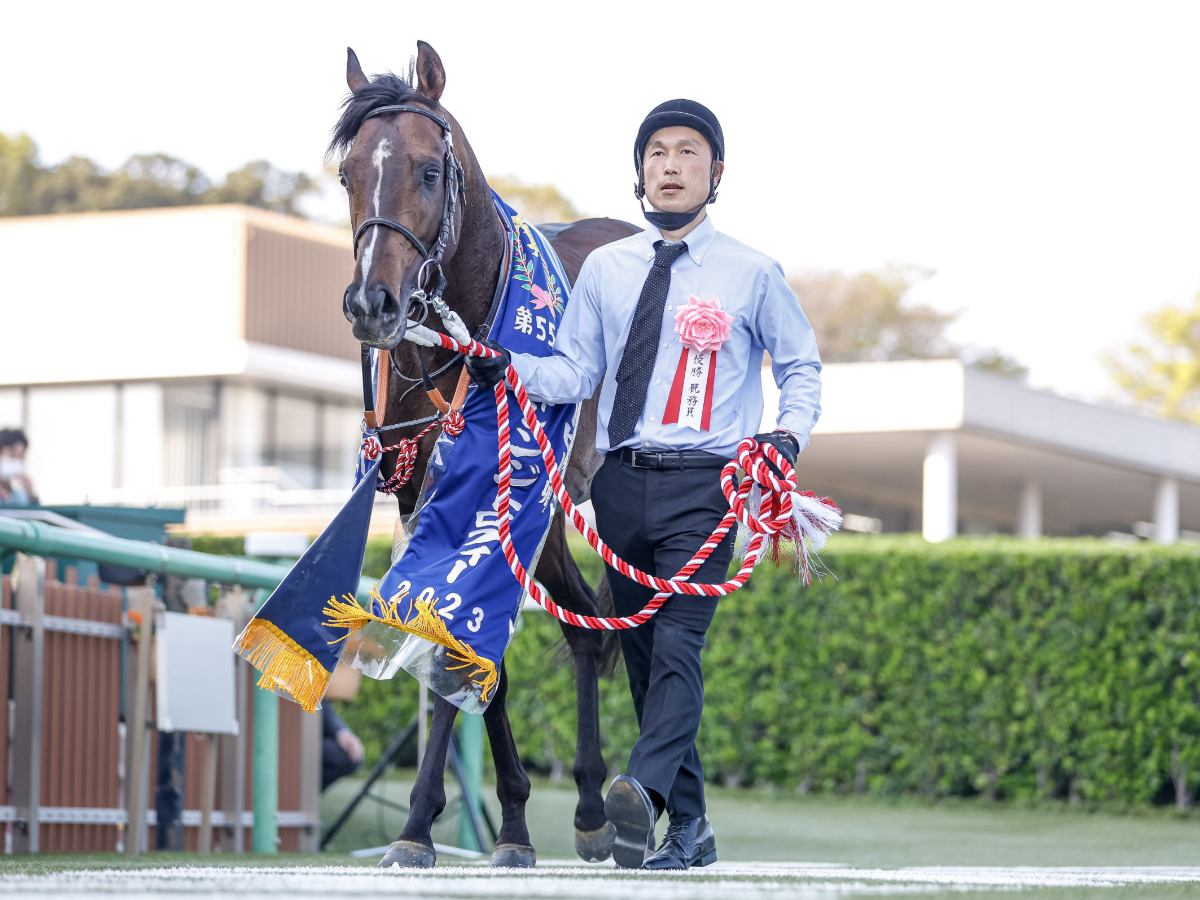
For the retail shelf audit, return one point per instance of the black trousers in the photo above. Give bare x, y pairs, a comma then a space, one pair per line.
335, 762
656, 520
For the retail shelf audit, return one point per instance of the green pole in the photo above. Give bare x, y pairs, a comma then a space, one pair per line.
266, 770
266, 764
470, 741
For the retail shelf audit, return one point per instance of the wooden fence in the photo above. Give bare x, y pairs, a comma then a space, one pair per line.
66, 789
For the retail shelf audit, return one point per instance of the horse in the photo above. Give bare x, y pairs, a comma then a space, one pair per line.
401, 176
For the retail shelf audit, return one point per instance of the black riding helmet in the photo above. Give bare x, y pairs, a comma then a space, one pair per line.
690, 114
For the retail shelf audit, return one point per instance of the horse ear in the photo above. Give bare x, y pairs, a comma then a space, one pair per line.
354, 73
431, 75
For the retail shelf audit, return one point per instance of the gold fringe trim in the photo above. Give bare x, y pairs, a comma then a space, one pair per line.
426, 623
284, 663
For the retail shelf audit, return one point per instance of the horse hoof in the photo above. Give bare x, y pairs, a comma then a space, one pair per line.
595, 846
513, 856
408, 855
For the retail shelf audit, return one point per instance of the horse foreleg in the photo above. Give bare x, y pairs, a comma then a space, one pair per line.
512, 849
414, 847
594, 834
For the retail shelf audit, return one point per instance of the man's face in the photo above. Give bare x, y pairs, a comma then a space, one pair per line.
676, 169
16, 451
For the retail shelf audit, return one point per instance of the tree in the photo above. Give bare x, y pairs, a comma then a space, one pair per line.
992, 360
1162, 374
148, 180
864, 317
261, 184
18, 157
537, 203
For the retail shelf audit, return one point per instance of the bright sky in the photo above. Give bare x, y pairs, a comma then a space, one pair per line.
1042, 158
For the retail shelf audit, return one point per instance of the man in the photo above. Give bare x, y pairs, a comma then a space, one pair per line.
15, 487
341, 750
675, 321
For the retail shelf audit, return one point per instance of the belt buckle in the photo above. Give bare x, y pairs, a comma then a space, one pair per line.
633, 459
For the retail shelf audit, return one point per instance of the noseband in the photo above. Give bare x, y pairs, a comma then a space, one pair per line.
431, 266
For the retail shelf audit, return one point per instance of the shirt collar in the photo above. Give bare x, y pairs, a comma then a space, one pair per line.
698, 240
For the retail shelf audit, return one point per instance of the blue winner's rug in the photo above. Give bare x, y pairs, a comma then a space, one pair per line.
447, 608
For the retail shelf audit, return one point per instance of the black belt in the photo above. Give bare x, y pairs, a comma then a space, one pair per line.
667, 459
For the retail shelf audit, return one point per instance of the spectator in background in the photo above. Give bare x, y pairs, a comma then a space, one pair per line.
341, 750
15, 487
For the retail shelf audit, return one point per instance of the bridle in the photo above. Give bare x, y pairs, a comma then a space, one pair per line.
431, 265
430, 272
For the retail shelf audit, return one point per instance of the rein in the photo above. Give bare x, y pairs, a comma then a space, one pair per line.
782, 511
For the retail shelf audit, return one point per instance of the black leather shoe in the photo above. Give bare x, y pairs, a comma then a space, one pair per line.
686, 844
630, 809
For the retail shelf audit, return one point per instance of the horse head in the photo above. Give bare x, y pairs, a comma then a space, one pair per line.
403, 182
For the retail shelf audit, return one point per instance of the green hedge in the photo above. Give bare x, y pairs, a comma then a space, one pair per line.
994, 666
1018, 669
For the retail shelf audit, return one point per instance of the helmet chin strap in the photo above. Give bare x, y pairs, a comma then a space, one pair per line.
669, 221
673, 221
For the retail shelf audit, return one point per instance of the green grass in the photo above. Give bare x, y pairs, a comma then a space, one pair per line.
49, 863
756, 825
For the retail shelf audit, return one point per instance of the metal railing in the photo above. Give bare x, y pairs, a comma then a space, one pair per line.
31, 625
39, 539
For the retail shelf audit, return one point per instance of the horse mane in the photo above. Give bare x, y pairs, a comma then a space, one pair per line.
388, 89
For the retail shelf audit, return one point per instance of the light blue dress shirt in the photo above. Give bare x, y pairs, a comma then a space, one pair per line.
589, 341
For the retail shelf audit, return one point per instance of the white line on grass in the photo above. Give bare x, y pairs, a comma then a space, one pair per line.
755, 881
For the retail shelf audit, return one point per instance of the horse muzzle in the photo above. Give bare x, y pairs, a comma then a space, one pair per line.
378, 318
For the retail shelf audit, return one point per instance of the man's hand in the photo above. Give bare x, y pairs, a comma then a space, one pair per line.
787, 446
488, 371
349, 742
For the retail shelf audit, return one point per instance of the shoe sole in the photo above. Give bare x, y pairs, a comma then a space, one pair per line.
706, 860
627, 811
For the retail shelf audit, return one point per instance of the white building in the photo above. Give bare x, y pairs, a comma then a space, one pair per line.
192, 356
937, 447
198, 356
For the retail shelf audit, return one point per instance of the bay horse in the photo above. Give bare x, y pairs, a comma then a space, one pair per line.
394, 170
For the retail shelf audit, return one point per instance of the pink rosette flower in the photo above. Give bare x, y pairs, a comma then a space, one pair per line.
702, 325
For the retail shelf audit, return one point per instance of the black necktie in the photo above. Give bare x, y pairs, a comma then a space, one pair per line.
641, 348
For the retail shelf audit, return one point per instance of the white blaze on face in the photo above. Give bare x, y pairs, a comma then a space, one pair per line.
382, 151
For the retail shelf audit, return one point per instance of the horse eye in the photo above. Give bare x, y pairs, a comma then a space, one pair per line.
342, 179
431, 176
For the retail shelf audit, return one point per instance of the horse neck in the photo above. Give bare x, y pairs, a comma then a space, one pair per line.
472, 272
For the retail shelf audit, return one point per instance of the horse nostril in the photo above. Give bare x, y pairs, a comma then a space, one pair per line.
385, 303
351, 309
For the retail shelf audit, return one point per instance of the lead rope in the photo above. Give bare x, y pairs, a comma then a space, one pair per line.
782, 510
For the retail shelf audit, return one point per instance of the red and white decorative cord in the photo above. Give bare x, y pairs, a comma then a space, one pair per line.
452, 423
776, 512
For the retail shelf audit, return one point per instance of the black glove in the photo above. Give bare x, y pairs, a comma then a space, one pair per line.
787, 446
488, 371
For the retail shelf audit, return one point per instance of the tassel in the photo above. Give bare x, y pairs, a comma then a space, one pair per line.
285, 665
427, 624
813, 520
